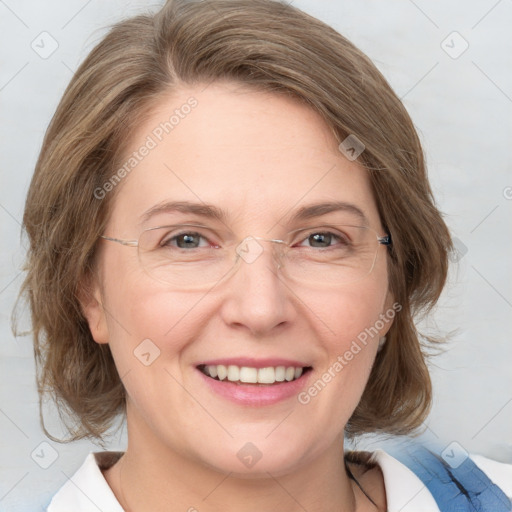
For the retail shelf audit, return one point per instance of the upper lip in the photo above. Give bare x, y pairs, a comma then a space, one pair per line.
254, 363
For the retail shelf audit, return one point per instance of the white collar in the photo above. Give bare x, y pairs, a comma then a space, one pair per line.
405, 492
87, 490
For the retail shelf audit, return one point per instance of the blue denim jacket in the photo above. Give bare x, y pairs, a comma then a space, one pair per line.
461, 487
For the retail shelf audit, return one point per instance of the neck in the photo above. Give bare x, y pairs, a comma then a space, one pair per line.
151, 477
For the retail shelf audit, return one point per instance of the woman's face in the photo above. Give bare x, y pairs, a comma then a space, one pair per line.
259, 158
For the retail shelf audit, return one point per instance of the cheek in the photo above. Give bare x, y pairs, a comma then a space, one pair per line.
349, 324
150, 343
145, 317
351, 313
356, 345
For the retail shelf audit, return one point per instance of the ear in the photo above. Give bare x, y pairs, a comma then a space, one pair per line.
91, 304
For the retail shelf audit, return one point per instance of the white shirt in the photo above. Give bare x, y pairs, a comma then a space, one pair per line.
88, 491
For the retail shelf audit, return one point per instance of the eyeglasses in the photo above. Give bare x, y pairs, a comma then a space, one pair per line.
192, 256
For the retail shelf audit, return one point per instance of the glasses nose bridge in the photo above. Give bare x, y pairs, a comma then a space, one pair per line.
250, 249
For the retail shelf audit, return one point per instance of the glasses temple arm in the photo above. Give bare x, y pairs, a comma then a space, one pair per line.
130, 243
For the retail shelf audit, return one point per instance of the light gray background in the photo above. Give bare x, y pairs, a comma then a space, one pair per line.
462, 109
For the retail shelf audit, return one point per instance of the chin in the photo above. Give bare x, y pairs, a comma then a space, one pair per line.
255, 460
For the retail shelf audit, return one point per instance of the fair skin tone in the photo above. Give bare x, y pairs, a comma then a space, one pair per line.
259, 157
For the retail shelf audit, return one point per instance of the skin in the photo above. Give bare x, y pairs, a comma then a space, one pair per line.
259, 156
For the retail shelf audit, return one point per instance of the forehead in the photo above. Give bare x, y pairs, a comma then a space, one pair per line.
259, 157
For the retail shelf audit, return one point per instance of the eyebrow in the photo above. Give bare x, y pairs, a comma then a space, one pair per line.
202, 209
213, 212
319, 209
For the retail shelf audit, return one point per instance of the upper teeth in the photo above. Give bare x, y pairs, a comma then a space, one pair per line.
267, 375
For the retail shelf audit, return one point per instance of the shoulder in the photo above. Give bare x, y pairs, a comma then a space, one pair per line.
87, 490
404, 491
499, 472
418, 480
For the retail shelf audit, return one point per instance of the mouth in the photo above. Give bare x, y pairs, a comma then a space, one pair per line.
248, 375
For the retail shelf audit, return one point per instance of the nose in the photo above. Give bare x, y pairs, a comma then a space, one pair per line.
256, 297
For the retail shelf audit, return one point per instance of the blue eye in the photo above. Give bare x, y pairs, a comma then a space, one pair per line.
320, 239
324, 239
186, 240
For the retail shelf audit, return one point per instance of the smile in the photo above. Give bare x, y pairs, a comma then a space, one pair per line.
250, 375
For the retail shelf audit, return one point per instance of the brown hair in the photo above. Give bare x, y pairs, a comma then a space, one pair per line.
267, 45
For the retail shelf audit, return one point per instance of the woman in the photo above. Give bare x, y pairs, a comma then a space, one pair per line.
231, 230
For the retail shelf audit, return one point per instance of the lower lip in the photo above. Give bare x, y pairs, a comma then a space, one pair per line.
254, 394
